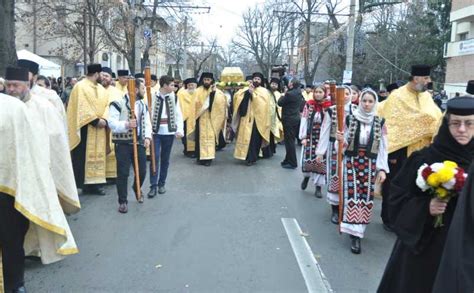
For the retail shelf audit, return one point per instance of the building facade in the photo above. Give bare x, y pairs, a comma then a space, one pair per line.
459, 52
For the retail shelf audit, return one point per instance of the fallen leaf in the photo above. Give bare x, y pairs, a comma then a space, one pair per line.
158, 266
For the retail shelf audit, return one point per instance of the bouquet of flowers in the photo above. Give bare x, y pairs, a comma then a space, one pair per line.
443, 180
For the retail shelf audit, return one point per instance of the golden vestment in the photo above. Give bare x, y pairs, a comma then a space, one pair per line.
122, 88
187, 102
277, 126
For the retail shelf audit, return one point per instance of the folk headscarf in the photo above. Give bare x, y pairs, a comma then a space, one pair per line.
363, 116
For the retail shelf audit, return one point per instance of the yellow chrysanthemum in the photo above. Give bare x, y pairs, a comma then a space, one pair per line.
450, 164
441, 192
433, 180
445, 174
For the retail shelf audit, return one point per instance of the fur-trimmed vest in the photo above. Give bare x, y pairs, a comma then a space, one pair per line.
353, 137
123, 106
170, 105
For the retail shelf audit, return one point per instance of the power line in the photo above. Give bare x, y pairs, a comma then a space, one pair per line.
384, 58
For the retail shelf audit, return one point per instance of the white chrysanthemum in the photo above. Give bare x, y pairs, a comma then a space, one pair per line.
436, 167
420, 181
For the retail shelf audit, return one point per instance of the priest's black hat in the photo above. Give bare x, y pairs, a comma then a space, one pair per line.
309, 86
32, 67
122, 72
190, 80
470, 87
17, 73
248, 77
154, 77
258, 74
107, 70
139, 75
392, 87
420, 70
275, 80
462, 106
205, 75
94, 68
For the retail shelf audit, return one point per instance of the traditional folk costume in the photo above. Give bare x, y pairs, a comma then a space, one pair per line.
122, 137
412, 119
251, 122
187, 102
365, 155
327, 147
88, 143
416, 256
211, 109
31, 216
310, 129
167, 121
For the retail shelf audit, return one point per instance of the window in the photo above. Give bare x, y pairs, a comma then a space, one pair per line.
105, 57
463, 37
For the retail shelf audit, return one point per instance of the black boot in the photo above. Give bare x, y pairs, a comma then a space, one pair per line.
304, 184
355, 245
318, 192
335, 214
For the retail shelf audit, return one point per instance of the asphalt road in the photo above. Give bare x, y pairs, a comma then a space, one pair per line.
217, 229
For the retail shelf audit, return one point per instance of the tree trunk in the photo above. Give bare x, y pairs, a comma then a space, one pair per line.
7, 35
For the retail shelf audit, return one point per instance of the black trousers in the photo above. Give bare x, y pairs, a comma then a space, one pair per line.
13, 228
78, 156
124, 156
254, 145
290, 129
400, 156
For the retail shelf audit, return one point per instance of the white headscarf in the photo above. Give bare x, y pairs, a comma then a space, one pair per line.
347, 106
360, 114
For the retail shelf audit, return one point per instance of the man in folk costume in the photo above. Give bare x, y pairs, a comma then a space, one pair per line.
276, 134
210, 105
412, 119
155, 86
167, 123
113, 94
31, 217
252, 120
45, 93
187, 102
87, 126
121, 123
122, 83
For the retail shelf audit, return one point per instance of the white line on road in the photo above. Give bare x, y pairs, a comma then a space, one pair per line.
312, 273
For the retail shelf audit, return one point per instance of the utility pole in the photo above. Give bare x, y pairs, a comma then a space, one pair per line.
185, 57
347, 77
35, 30
84, 38
290, 67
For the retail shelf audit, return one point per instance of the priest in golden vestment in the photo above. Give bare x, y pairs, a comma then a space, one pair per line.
187, 102
87, 126
252, 120
122, 82
276, 134
113, 94
412, 119
32, 219
210, 106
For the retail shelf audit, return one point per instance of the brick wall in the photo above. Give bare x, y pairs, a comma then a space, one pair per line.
458, 4
459, 69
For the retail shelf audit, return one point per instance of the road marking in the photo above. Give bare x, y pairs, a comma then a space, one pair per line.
313, 275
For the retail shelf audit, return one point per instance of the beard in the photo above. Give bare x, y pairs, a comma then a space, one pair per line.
140, 96
191, 91
256, 84
206, 86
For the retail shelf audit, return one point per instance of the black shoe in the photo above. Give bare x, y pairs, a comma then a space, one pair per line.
283, 163
250, 163
123, 208
318, 192
161, 190
304, 184
355, 245
387, 228
335, 214
288, 166
22, 289
152, 192
207, 163
97, 190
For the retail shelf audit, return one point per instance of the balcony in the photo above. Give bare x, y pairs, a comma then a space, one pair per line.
461, 48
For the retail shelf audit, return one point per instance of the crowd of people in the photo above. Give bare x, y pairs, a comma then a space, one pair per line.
99, 126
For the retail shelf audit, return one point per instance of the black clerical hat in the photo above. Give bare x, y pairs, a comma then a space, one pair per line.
309, 86
258, 74
248, 77
107, 70
139, 75
122, 72
154, 77
32, 67
391, 87
420, 70
275, 80
190, 80
462, 106
94, 68
205, 75
470, 87
17, 73
113, 75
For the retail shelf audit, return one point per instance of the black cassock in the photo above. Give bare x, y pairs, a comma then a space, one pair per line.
456, 270
416, 256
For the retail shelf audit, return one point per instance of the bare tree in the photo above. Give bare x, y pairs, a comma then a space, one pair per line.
200, 57
7, 34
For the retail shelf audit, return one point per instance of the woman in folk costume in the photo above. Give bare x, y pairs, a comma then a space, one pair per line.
426, 258
326, 147
365, 162
355, 94
310, 131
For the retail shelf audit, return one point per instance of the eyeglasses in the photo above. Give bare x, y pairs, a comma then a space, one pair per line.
469, 124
